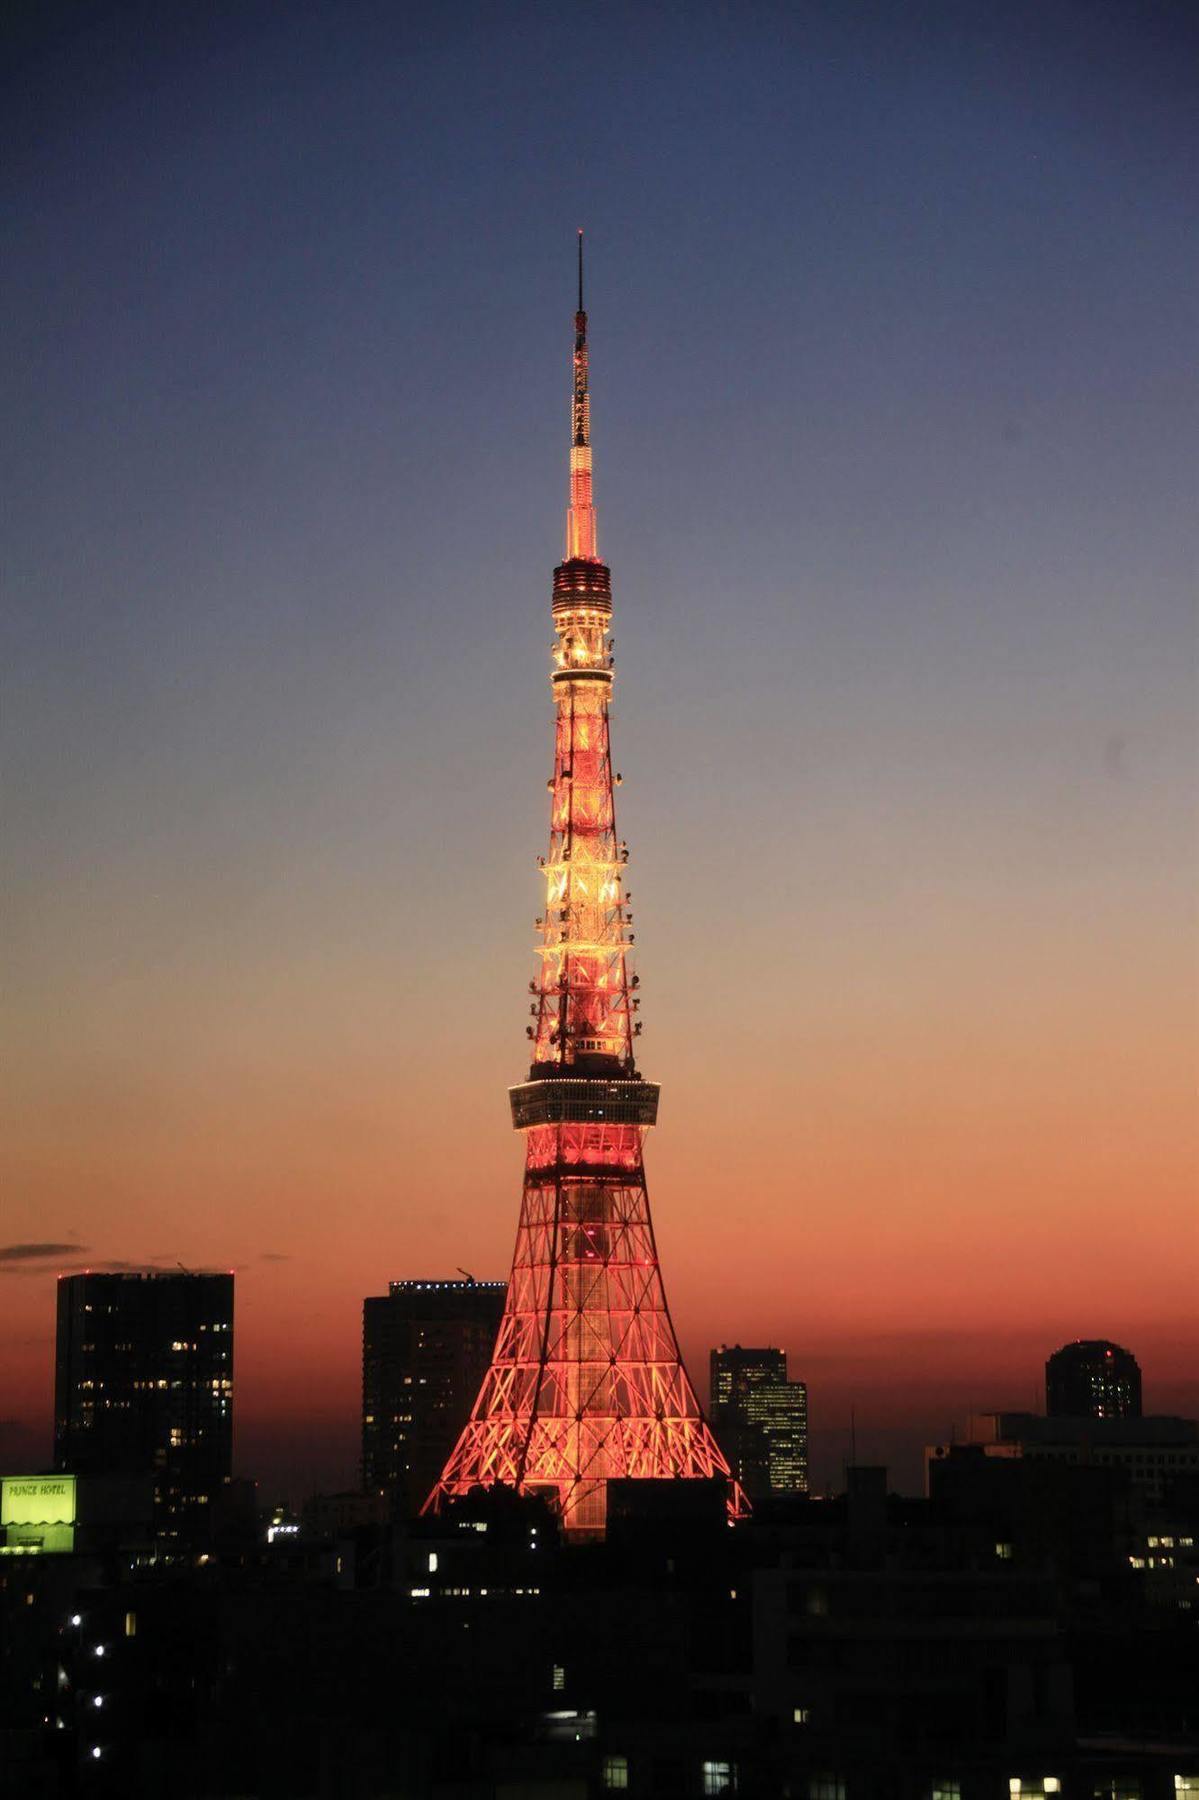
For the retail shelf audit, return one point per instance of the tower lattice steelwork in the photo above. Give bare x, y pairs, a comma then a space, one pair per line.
586, 1382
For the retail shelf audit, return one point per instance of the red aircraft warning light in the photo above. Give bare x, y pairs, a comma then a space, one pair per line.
586, 1383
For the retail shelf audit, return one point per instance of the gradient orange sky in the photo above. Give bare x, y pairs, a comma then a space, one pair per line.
899, 506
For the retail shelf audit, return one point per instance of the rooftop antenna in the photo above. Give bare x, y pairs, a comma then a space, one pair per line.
580, 516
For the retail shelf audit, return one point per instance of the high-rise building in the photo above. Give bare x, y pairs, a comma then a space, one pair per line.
426, 1346
144, 1385
587, 1384
761, 1419
732, 1370
1092, 1379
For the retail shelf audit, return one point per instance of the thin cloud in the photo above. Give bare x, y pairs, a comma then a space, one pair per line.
274, 1256
27, 1253
69, 1259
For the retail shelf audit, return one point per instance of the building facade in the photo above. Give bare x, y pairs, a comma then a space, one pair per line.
426, 1346
1092, 1379
761, 1419
144, 1385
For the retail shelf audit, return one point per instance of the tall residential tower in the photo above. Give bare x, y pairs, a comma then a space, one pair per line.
586, 1384
426, 1346
144, 1385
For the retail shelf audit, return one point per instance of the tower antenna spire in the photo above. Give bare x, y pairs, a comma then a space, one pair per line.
580, 515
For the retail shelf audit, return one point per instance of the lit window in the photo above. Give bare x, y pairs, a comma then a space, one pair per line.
130, 1624
559, 1678
1186, 1784
945, 1790
1004, 1552
803, 1715
720, 1778
616, 1772
432, 1562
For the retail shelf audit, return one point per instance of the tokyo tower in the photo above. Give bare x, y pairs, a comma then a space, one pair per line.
586, 1382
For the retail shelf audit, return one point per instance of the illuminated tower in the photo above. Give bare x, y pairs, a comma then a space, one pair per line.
586, 1383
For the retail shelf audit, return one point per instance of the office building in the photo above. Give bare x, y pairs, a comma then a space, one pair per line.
760, 1419
1092, 1379
426, 1346
144, 1385
732, 1370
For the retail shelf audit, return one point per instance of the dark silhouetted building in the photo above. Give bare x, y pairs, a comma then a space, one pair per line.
144, 1385
761, 1419
426, 1346
1092, 1379
1155, 1452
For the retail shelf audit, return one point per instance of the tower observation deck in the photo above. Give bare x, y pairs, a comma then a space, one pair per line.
586, 1383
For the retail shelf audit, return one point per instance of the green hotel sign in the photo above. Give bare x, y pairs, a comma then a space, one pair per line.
37, 1513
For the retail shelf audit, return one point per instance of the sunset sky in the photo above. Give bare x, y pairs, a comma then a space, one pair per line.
893, 335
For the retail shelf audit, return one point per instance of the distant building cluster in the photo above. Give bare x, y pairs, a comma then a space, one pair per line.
1029, 1627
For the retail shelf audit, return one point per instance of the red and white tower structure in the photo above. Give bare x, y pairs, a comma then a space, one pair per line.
586, 1382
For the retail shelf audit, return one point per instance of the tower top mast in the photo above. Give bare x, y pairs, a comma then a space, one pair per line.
580, 515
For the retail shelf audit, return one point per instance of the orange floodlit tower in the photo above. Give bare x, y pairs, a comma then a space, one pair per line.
586, 1382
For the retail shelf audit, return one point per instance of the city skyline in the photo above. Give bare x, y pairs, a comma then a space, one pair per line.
904, 712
